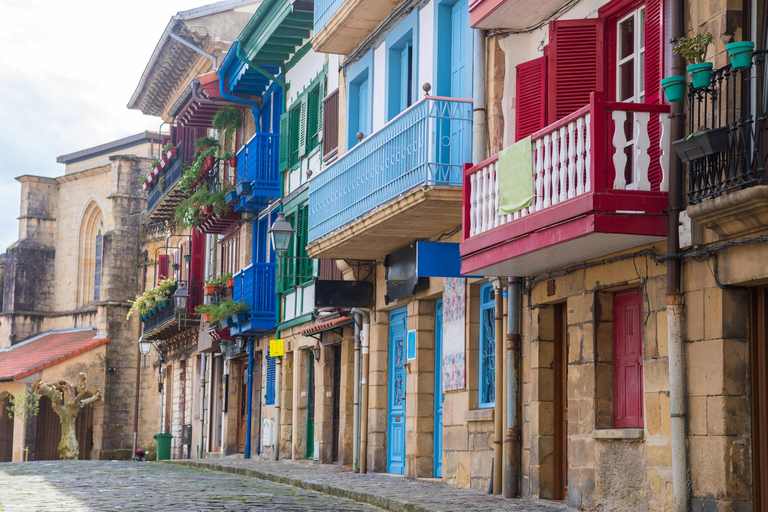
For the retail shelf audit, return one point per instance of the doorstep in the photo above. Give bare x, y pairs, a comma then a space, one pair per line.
381, 490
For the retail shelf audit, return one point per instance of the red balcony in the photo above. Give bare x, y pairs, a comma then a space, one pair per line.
582, 208
511, 14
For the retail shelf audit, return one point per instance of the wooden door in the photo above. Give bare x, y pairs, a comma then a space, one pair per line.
560, 363
168, 387
310, 452
628, 359
242, 409
47, 432
759, 372
6, 430
397, 384
335, 403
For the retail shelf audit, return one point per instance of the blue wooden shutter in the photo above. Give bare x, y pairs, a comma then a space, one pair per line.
270, 395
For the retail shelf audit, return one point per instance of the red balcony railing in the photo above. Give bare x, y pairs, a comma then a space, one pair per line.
575, 163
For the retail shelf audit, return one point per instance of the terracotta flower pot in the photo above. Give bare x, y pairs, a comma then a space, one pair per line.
209, 289
233, 161
210, 161
206, 317
230, 282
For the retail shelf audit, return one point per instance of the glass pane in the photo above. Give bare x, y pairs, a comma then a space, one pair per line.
627, 80
627, 37
642, 28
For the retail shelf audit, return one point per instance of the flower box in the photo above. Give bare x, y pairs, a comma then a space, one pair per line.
243, 187
209, 289
231, 196
240, 317
702, 144
171, 152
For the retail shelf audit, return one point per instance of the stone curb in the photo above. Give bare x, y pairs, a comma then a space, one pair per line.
392, 504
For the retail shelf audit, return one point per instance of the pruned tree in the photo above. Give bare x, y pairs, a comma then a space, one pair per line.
67, 400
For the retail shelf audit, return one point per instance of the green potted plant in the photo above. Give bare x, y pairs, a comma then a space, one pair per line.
694, 50
170, 150
205, 142
740, 53
227, 120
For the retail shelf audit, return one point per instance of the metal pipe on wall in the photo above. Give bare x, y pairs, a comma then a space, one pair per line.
512, 489
276, 433
203, 361
356, 401
674, 66
498, 382
479, 113
362, 385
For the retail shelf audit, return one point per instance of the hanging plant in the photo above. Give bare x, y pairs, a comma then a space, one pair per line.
227, 119
205, 142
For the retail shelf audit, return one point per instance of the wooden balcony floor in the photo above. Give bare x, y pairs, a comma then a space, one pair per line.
421, 213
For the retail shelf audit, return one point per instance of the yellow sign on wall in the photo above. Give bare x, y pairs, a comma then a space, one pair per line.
276, 348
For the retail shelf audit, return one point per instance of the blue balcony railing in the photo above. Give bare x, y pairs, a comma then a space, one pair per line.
257, 164
256, 286
426, 144
170, 176
324, 9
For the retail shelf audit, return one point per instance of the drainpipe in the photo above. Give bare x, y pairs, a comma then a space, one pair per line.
513, 383
498, 391
202, 403
255, 109
673, 66
356, 402
479, 113
250, 400
363, 321
196, 48
278, 369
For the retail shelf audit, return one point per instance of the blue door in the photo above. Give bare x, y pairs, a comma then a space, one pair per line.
439, 397
396, 432
461, 49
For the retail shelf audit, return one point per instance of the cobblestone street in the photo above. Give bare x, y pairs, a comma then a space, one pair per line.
231, 484
99, 485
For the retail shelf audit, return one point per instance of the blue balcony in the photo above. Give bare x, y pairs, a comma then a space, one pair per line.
340, 25
412, 166
256, 286
257, 175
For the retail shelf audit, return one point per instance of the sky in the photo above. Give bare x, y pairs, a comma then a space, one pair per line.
67, 71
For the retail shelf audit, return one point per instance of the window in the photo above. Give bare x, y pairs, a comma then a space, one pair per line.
628, 359
230, 253
301, 126
97, 262
487, 346
630, 78
270, 395
401, 92
359, 101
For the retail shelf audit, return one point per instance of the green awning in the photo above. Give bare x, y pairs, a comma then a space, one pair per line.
276, 30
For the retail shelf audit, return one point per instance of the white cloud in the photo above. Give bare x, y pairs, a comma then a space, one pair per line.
67, 70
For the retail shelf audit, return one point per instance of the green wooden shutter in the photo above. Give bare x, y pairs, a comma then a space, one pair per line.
320, 98
303, 127
284, 142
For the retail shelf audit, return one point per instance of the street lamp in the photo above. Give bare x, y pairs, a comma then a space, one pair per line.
144, 345
281, 232
240, 342
180, 297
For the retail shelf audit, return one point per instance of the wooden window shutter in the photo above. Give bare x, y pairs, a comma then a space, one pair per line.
162, 267
654, 72
284, 139
575, 65
270, 394
330, 122
628, 359
303, 127
531, 97
320, 98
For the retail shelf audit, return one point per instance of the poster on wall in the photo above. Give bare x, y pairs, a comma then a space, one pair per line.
454, 311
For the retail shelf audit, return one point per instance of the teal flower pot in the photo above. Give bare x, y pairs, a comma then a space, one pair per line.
740, 54
701, 74
164, 304
674, 88
155, 309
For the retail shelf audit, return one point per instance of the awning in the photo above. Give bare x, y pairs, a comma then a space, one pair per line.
48, 349
199, 102
330, 325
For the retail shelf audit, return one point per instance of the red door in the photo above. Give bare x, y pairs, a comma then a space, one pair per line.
628, 359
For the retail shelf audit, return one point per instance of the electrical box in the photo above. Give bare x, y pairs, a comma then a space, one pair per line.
266, 432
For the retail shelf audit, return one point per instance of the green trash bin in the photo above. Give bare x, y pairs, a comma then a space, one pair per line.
163, 446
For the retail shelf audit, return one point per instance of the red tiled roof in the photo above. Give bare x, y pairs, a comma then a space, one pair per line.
330, 324
45, 350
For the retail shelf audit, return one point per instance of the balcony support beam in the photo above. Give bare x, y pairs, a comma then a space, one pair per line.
244, 58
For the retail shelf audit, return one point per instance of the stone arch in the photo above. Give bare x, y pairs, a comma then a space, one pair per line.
90, 254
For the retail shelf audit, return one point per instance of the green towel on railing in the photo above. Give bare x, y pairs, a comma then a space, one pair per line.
515, 175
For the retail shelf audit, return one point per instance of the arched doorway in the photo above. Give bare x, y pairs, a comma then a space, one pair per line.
48, 434
6, 429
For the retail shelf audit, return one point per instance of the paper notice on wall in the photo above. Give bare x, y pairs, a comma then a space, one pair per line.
454, 312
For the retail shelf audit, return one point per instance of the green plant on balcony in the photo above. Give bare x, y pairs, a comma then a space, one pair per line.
227, 120
205, 142
191, 211
158, 297
222, 310
694, 50
154, 163
220, 280
168, 147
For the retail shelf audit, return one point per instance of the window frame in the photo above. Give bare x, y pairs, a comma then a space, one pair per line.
486, 345
402, 38
358, 74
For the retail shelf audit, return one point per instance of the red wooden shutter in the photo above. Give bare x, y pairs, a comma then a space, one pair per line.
654, 72
196, 269
531, 97
628, 359
575, 65
162, 264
